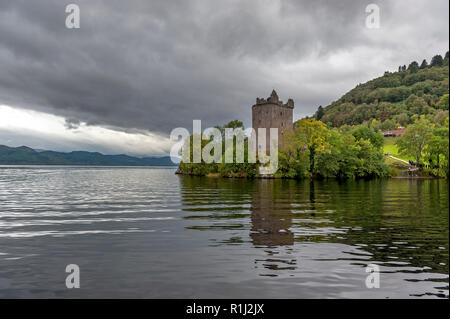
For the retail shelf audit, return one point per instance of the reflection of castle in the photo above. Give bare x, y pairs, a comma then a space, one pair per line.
270, 223
272, 113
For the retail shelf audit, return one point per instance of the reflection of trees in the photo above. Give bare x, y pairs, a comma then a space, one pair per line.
402, 221
217, 203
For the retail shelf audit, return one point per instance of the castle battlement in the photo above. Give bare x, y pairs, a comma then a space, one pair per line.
273, 99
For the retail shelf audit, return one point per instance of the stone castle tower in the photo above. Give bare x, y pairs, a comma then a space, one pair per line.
271, 112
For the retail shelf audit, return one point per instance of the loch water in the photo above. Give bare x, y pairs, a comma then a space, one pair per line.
140, 232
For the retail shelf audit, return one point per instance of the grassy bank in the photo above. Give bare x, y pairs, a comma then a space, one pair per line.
390, 148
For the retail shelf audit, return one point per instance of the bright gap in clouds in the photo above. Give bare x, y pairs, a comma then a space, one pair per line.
40, 130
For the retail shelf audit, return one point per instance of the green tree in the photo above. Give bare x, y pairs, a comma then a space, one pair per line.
235, 124
236, 169
319, 113
415, 139
403, 119
366, 133
387, 125
413, 67
438, 146
315, 134
443, 102
232, 124
198, 169
437, 60
424, 64
350, 158
441, 117
416, 104
328, 163
292, 158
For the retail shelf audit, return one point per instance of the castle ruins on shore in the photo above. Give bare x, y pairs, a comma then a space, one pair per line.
272, 113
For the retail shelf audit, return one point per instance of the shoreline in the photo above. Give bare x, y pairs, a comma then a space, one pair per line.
217, 175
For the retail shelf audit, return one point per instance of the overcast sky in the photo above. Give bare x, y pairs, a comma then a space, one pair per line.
137, 69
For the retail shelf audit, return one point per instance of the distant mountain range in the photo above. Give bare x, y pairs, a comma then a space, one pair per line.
27, 156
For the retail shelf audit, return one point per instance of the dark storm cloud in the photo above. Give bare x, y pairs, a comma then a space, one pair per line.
72, 124
157, 65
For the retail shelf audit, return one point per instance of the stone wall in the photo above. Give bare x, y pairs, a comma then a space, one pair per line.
272, 113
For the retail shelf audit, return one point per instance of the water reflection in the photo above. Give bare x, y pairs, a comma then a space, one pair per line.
160, 235
271, 222
402, 225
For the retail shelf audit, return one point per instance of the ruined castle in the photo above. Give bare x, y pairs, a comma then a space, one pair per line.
272, 113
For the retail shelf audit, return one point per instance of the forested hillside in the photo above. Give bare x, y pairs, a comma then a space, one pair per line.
394, 99
27, 156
